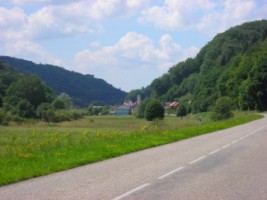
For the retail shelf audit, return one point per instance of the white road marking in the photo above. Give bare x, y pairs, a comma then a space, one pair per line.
214, 151
198, 159
170, 173
226, 146
235, 141
180, 168
132, 191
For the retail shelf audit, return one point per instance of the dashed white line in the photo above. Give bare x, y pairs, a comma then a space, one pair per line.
235, 141
214, 151
170, 173
226, 146
198, 159
180, 168
132, 191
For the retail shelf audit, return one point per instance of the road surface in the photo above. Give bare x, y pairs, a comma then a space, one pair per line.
228, 164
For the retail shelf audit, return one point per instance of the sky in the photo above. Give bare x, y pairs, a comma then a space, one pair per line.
128, 43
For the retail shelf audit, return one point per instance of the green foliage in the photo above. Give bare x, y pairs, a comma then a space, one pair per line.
154, 110
48, 149
63, 101
25, 109
233, 64
142, 108
29, 88
21, 94
58, 104
222, 109
46, 112
83, 89
181, 111
2, 116
97, 110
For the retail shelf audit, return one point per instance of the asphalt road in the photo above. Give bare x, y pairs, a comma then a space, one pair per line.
228, 164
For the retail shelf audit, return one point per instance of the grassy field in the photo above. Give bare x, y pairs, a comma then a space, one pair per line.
32, 150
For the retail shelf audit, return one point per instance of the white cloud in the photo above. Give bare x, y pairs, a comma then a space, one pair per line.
34, 2
233, 13
132, 54
12, 21
207, 16
175, 14
31, 51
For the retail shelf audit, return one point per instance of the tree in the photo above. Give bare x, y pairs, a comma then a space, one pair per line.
142, 108
29, 88
154, 110
25, 109
46, 113
58, 104
66, 99
182, 111
222, 109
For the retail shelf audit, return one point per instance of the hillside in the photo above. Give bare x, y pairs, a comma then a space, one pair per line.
22, 95
233, 64
84, 89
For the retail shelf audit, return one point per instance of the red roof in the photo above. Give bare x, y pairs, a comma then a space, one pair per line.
174, 104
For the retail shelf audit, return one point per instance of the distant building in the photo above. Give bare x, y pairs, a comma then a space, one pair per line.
123, 110
174, 104
128, 107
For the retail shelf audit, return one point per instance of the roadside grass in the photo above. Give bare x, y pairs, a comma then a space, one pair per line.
33, 150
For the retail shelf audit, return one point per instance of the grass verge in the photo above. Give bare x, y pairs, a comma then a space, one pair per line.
34, 150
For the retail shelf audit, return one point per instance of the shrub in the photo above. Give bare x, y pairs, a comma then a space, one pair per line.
182, 111
222, 109
2, 116
141, 108
154, 110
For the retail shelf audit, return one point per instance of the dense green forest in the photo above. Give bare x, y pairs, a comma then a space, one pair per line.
233, 64
21, 95
25, 97
83, 89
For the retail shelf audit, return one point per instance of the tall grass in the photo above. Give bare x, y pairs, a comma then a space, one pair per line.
33, 150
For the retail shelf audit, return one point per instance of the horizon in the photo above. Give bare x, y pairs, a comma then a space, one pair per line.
126, 43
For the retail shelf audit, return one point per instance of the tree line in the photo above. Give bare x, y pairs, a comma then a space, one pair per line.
83, 89
27, 97
232, 66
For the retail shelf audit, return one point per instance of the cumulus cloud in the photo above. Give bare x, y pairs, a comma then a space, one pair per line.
31, 51
207, 16
12, 21
132, 54
233, 13
175, 14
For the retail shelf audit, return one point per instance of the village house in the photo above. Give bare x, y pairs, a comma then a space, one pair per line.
128, 107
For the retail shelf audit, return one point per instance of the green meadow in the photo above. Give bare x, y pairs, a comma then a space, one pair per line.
31, 150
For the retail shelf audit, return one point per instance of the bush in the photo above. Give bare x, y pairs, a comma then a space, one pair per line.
222, 109
182, 111
142, 108
2, 116
154, 110
25, 109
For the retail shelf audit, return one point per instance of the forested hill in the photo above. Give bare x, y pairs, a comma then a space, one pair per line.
233, 64
84, 89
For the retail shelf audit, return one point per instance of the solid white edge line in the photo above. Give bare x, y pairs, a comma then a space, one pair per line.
198, 159
214, 151
132, 191
171, 172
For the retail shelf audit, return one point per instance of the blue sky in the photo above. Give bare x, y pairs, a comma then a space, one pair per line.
128, 43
